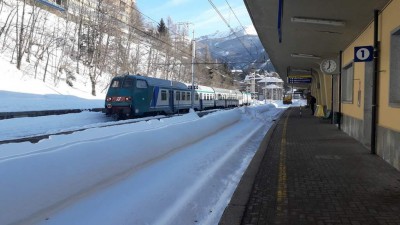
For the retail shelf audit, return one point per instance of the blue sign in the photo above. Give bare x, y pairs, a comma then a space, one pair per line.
299, 80
363, 53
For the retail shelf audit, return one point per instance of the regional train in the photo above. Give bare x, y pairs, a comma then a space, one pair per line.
136, 95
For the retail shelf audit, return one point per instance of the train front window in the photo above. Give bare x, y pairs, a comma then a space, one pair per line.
141, 84
128, 83
115, 83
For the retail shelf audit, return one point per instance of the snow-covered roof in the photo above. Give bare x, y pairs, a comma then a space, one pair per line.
237, 71
222, 90
202, 88
271, 80
272, 86
252, 77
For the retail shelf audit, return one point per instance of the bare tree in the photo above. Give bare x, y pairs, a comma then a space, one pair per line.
20, 35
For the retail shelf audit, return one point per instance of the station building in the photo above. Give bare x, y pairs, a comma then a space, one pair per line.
347, 53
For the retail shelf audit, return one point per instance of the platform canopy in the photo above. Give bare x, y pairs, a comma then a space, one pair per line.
299, 34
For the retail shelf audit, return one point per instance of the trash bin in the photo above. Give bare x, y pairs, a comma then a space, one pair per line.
319, 112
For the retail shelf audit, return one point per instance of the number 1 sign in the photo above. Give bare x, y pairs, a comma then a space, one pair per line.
363, 53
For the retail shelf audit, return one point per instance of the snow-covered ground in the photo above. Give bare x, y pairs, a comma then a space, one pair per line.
179, 171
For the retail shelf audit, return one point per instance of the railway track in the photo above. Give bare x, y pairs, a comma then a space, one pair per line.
12, 115
37, 138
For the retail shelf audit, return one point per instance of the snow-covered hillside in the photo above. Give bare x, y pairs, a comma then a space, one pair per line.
241, 49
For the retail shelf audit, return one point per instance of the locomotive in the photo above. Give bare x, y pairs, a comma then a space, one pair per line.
136, 95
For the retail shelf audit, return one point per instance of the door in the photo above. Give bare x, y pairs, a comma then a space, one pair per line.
141, 102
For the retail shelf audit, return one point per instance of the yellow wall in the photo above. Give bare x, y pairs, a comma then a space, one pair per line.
352, 109
388, 117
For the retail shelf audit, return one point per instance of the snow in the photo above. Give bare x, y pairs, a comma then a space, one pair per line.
163, 171
130, 177
21, 93
251, 30
179, 170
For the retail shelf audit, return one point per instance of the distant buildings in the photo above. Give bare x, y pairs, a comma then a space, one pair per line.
264, 86
89, 8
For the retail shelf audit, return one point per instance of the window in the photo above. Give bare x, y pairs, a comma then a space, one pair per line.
201, 95
347, 83
115, 83
196, 96
394, 84
122, 5
188, 96
178, 95
183, 96
141, 84
128, 83
163, 95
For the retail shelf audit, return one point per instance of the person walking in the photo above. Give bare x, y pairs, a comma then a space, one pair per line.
313, 100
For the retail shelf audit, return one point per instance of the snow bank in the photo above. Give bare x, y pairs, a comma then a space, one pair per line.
20, 92
76, 169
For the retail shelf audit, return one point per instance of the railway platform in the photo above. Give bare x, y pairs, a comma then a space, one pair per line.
306, 171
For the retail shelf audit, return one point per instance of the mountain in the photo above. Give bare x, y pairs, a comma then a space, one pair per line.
241, 49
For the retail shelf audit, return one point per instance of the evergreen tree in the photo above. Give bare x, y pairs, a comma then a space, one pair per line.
162, 28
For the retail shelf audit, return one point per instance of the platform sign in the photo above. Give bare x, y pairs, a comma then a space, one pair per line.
363, 53
299, 79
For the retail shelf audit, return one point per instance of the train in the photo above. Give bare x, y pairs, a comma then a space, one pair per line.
135, 96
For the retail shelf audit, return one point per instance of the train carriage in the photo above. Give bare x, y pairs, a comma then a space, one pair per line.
206, 97
225, 98
135, 95
246, 99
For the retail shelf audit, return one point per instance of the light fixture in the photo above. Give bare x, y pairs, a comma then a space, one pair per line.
298, 70
306, 56
318, 21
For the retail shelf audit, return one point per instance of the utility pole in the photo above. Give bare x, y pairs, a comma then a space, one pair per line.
193, 59
265, 89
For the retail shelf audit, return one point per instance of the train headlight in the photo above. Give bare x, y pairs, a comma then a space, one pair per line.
108, 99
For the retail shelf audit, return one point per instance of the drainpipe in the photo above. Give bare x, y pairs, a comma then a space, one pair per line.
339, 119
375, 84
332, 100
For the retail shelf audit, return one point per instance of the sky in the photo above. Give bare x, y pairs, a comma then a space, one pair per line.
199, 12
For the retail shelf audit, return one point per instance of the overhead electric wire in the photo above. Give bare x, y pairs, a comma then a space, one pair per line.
244, 29
204, 62
137, 10
163, 41
229, 26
